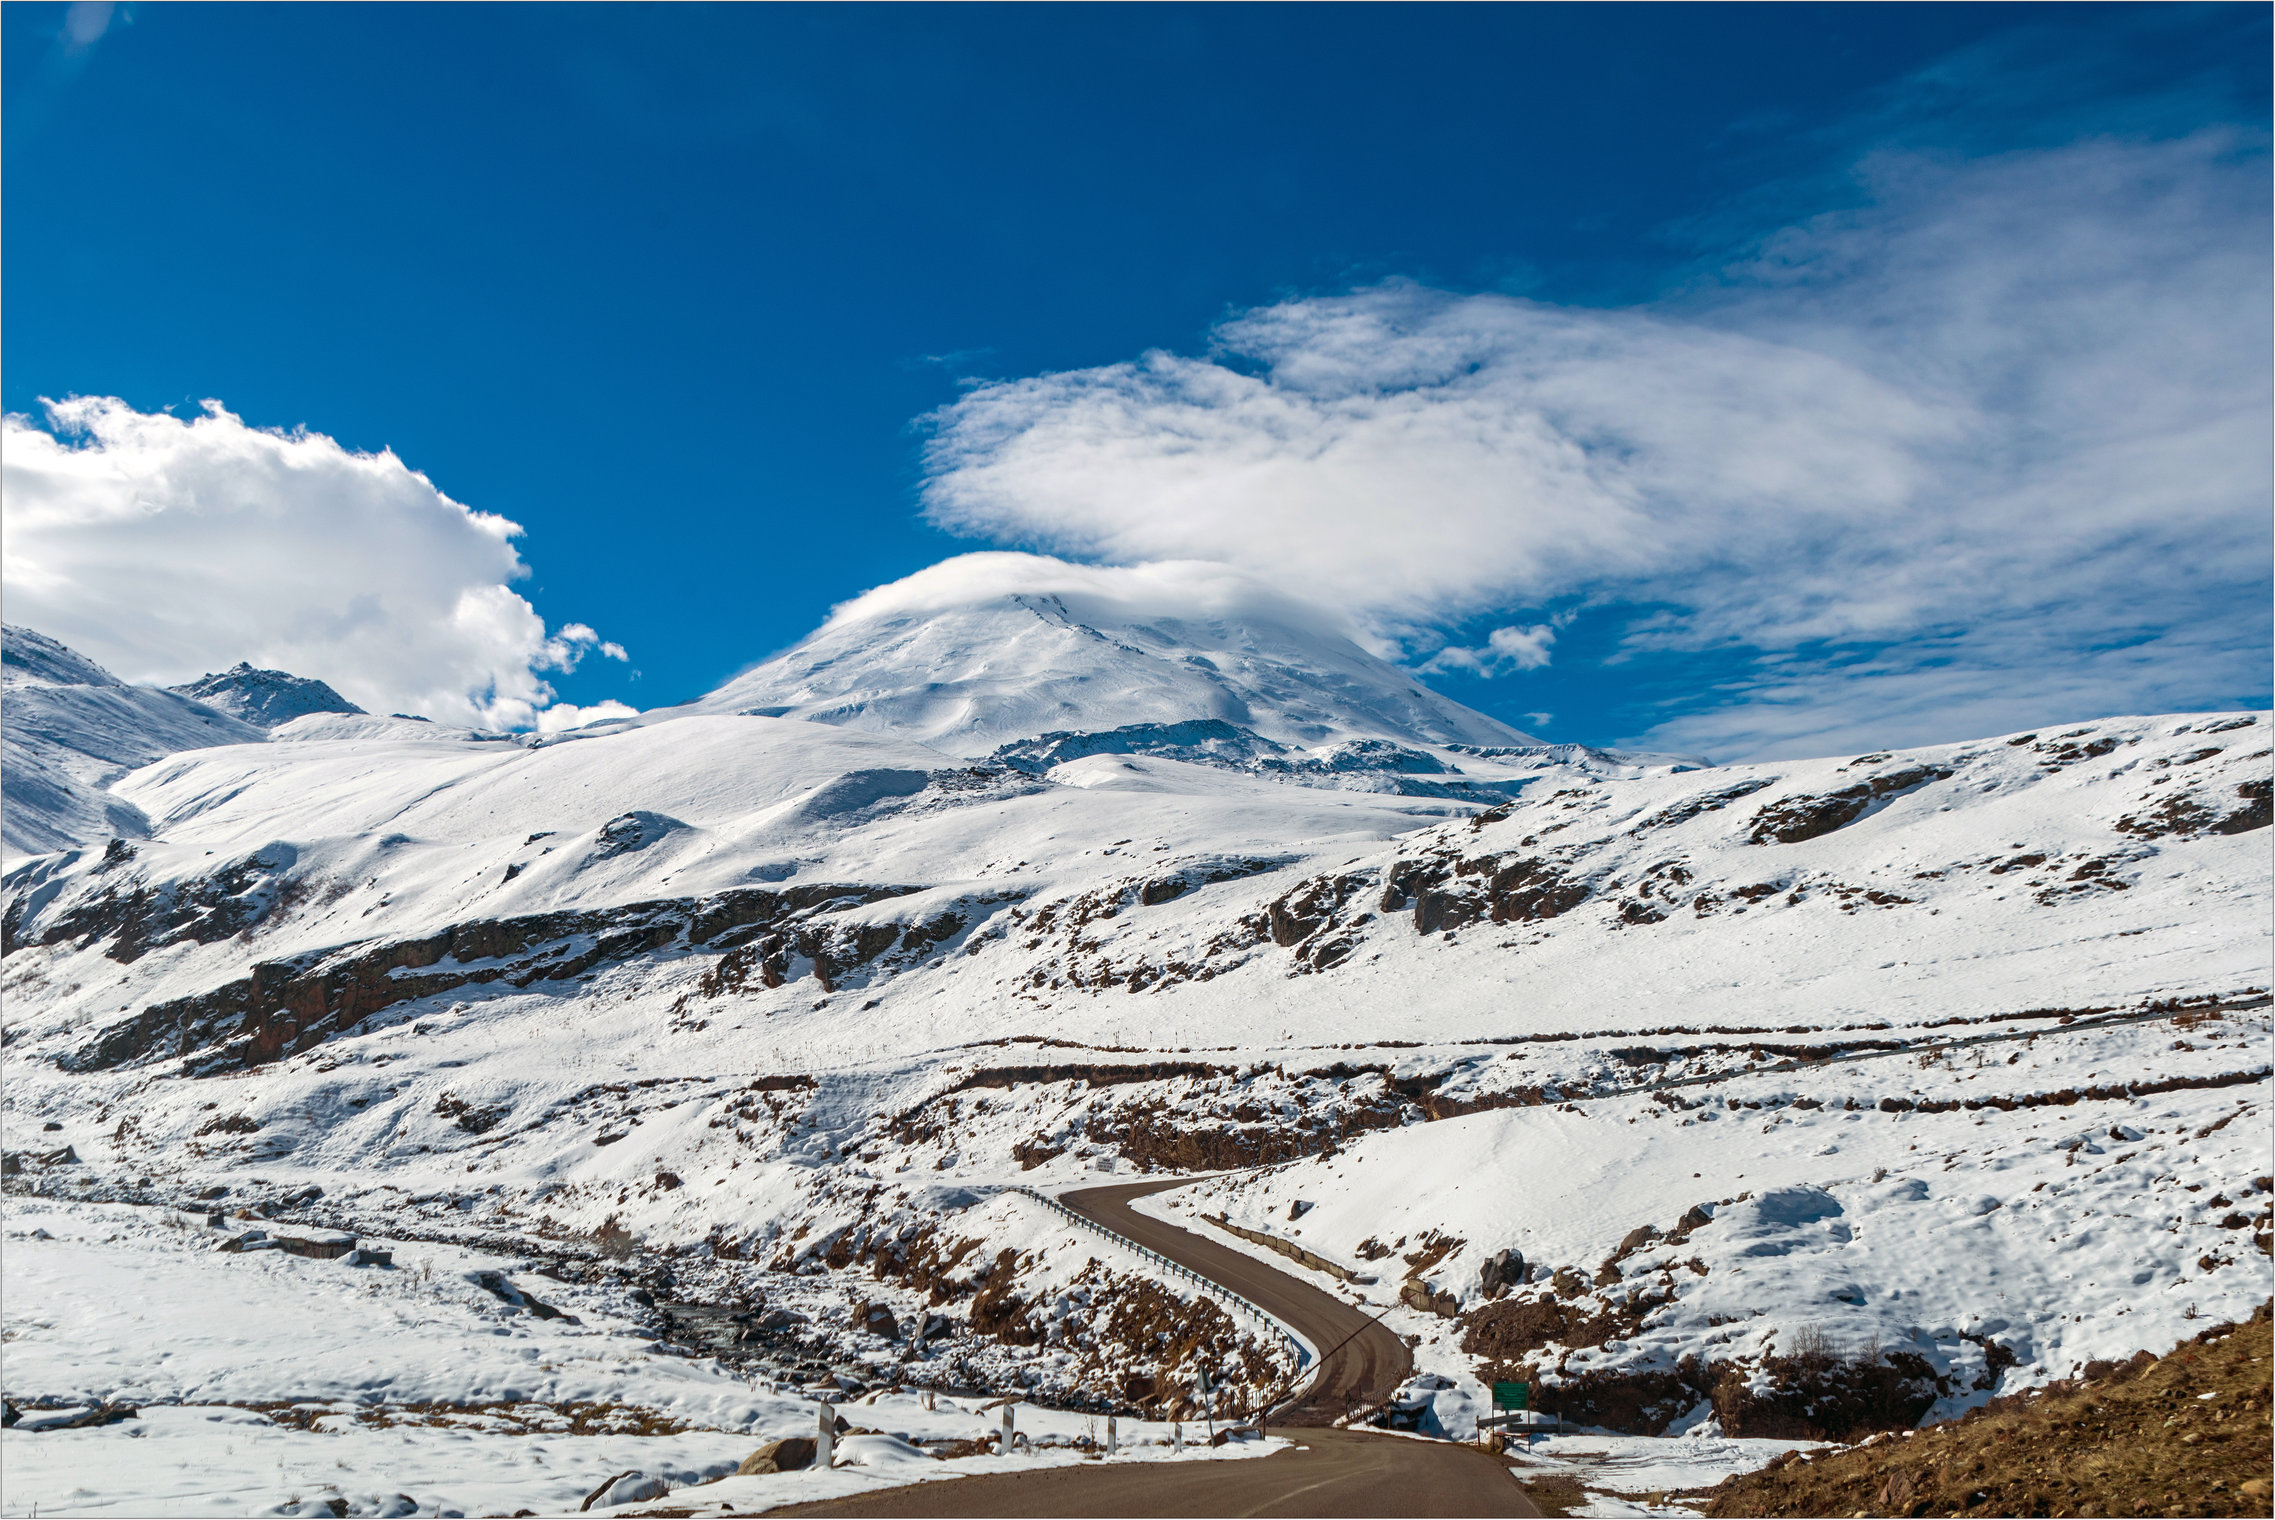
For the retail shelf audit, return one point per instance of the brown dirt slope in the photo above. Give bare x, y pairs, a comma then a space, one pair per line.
2183, 1434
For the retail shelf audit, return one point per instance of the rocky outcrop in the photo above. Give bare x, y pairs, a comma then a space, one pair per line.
2187, 817
1809, 817
289, 1005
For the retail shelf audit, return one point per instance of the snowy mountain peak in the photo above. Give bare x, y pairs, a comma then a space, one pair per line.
265, 698
987, 649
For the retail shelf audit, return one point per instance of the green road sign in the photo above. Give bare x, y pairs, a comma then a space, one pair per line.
1511, 1395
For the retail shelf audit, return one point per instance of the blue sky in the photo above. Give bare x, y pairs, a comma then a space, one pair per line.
715, 301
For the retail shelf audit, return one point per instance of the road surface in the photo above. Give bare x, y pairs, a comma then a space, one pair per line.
1340, 1472
1330, 1472
1371, 1362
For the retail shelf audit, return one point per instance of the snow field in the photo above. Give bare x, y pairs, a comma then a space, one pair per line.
413, 1381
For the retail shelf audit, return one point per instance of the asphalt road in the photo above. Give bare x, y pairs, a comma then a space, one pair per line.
1329, 1472
1371, 1362
1337, 1472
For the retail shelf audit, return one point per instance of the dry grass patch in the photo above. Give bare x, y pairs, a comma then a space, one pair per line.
2183, 1434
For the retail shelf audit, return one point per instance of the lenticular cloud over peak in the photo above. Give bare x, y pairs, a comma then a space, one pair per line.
1161, 588
167, 548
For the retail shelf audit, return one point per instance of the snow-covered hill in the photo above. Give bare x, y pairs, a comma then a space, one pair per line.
989, 649
751, 1003
70, 728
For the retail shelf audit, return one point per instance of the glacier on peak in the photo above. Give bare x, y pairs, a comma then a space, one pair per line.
987, 649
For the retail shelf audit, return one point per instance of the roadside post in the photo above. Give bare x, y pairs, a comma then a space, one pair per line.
1007, 1431
1201, 1391
825, 1440
1111, 1434
1515, 1399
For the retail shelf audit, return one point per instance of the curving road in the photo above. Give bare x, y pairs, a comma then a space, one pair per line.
1362, 1360
1328, 1471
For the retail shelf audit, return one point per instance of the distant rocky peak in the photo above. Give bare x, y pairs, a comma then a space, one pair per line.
266, 698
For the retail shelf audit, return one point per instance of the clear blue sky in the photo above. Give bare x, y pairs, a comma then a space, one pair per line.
670, 285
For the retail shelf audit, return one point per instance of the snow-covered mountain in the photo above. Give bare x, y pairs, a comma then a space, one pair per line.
989, 649
266, 698
68, 728
1634, 1077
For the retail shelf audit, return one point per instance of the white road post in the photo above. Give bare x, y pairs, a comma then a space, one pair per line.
825, 1442
1006, 1447
1177, 1435
1111, 1433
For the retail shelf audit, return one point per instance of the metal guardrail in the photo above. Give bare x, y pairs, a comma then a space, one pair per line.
1263, 1317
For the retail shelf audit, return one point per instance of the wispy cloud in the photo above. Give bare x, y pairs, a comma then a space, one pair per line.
84, 24
1928, 456
166, 548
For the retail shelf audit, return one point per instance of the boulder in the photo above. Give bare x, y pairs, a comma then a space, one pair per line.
1635, 1240
318, 1245
1417, 1294
778, 1456
1503, 1270
877, 1320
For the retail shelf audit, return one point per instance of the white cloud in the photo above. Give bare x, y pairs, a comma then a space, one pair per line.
1503, 649
1163, 588
2022, 399
165, 548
